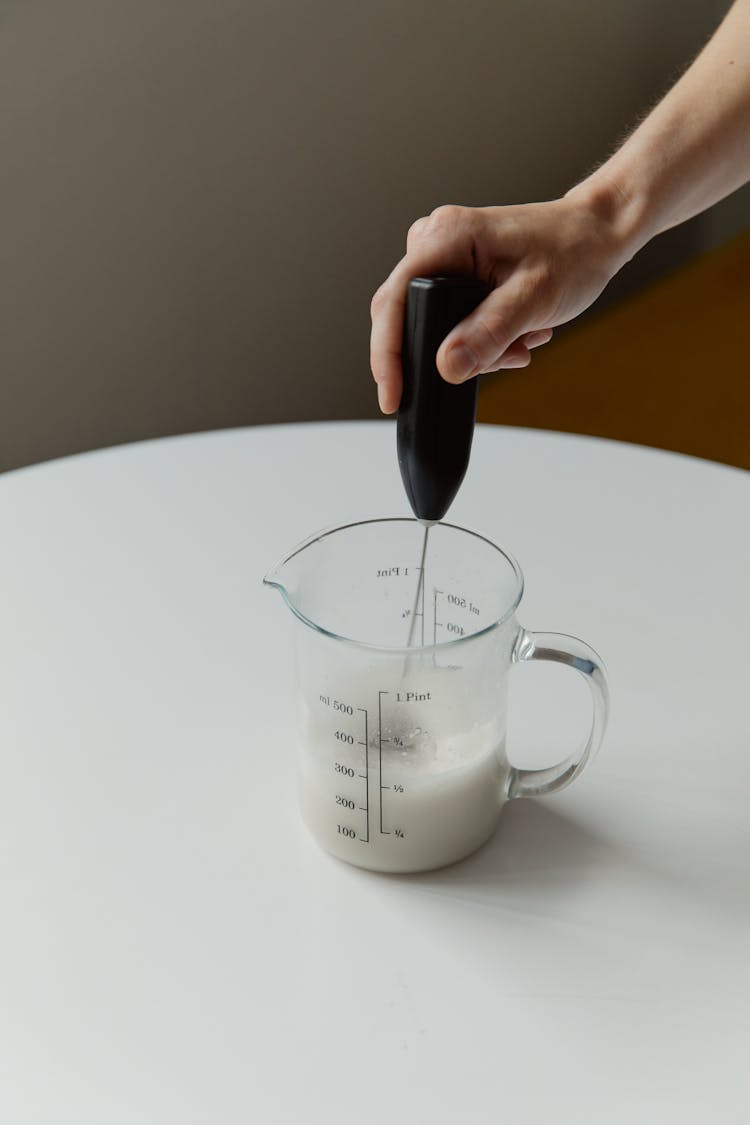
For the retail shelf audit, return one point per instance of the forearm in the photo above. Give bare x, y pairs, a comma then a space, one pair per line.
547, 262
692, 150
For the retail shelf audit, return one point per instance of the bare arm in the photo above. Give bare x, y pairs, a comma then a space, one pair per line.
694, 148
547, 262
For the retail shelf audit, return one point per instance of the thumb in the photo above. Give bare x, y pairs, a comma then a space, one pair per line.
478, 342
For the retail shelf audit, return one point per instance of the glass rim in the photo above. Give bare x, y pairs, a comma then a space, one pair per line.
271, 580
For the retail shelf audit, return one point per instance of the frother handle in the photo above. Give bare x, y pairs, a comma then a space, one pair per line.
435, 423
576, 654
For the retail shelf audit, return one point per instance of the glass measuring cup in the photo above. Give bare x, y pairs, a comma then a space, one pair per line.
401, 761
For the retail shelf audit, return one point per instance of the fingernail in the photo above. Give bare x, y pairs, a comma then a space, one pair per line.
461, 362
515, 361
381, 397
536, 339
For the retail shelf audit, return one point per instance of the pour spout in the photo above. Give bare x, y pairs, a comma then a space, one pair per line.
282, 579
288, 574
273, 577
279, 578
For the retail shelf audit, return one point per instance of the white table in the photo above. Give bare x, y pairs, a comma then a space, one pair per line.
175, 950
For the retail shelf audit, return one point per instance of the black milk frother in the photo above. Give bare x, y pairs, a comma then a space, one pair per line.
436, 419
435, 424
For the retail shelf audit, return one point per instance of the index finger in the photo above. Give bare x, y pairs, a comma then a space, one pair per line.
387, 313
389, 307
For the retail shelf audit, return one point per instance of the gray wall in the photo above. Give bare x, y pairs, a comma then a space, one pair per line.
198, 197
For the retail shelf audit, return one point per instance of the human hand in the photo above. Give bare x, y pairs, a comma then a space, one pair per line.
546, 262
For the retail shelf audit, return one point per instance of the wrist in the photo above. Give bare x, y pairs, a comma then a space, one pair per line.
622, 214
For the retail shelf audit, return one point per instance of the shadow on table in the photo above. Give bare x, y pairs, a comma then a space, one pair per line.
534, 850
543, 861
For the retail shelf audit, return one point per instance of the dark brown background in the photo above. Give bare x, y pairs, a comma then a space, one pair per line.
198, 197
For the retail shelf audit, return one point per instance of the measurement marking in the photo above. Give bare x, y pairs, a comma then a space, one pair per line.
380, 756
436, 624
366, 776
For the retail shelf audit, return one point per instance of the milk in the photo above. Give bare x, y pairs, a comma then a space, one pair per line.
424, 789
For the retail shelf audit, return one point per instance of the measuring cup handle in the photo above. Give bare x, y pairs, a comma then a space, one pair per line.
576, 654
